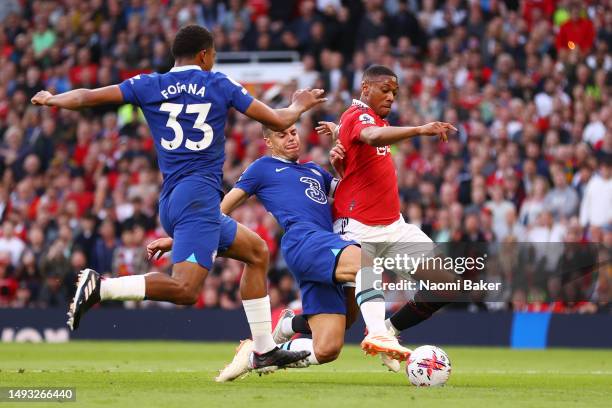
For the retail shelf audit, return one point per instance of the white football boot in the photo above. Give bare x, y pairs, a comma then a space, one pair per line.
239, 367
385, 343
392, 364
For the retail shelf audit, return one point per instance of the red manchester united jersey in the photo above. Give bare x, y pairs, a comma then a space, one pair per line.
368, 191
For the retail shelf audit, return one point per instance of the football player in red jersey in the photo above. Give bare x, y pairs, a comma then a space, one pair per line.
367, 205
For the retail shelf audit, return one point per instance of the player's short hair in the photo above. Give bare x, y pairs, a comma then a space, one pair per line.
190, 40
267, 132
374, 71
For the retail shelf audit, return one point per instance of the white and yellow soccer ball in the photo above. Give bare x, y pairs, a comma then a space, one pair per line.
428, 366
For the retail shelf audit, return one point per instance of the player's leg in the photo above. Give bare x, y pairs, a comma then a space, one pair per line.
324, 305
182, 288
327, 338
289, 324
240, 243
347, 266
332, 254
190, 213
352, 309
357, 262
369, 300
246, 246
352, 264
414, 242
412, 313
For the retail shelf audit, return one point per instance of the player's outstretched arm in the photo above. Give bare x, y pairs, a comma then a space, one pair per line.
280, 119
233, 200
385, 136
80, 98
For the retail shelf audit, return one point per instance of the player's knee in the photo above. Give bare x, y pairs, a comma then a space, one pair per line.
259, 253
328, 351
187, 294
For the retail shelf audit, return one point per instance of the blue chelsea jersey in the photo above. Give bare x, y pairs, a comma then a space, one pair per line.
292, 192
186, 110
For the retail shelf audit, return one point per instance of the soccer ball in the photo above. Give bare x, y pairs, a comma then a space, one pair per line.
428, 366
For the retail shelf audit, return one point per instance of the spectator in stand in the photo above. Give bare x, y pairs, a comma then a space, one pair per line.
8, 284
562, 199
10, 243
534, 204
596, 206
105, 248
499, 209
86, 238
130, 256
576, 33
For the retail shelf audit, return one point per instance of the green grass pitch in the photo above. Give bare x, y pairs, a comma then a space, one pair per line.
177, 374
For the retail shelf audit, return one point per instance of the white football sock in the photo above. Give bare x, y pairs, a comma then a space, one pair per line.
371, 302
259, 317
124, 288
301, 344
287, 328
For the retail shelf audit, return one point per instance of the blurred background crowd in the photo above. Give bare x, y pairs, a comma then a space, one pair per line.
527, 83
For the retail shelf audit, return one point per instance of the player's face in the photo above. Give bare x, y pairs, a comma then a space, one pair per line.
380, 92
285, 144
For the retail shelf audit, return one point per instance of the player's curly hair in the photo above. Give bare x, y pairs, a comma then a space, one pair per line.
374, 71
190, 40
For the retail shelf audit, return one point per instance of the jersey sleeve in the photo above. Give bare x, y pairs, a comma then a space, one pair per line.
329, 181
129, 89
237, 95
360, 121
249, 181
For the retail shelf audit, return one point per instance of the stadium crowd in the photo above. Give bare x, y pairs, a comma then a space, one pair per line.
526, 82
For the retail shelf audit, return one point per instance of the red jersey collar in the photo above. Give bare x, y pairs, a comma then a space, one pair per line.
357, 102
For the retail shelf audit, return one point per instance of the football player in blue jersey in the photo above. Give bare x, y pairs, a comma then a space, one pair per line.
186, 110
326, 267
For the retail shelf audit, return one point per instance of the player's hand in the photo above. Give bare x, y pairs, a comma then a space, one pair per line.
328, 129
336, 158
306, 99
439, 129
159, 247
41, 98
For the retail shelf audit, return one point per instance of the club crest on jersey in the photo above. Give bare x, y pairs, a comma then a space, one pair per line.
314, 190
367, 119
383, 150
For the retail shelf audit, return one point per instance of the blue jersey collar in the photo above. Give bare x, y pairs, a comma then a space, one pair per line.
185, 68
284, 160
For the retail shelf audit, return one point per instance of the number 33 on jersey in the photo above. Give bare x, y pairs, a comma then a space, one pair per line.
186, 110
